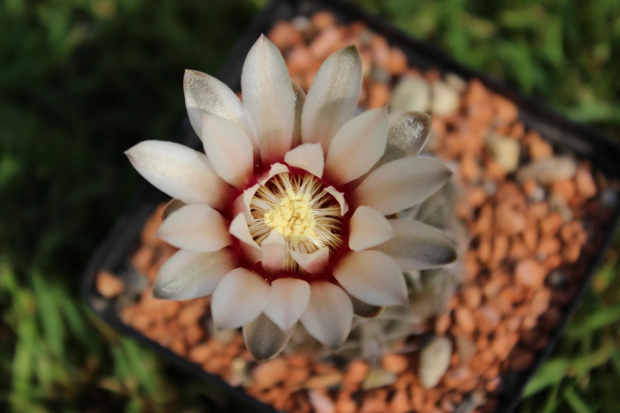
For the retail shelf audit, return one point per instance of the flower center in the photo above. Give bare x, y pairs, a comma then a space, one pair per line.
293, 217
297, 206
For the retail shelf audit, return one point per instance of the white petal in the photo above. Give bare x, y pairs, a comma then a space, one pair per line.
206, 94
171, 206
289, 299
239, 229
188, 274
195, 227
300, 98
274, 249
357, 146
332, 98
329, 314
269, 98
308, 157
368, 228
373, 277
339, 196
365, 310
408, 133
276, 168
180, 172
243, 201
418, 246
239, 298
401, 184
264, 339
229, 149
314, 263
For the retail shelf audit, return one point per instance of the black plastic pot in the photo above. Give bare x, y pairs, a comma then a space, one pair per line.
582, 141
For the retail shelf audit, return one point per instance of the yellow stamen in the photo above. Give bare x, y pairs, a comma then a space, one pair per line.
293, 216
299, 208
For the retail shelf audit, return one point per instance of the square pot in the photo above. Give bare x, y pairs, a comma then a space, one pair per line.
581, 141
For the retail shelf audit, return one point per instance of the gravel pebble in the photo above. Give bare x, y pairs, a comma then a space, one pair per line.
445, 99
548, 170
411, 93
505, 151
109, 285
434, 361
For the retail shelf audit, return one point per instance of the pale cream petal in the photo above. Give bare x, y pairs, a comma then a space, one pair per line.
369, 228
180, 172
357, 146
276, 168
315, 262
206, 94
188, 274
239, 229
329, 314
401, 184
418, 246
365, 310
264, 339
239, 298
332, 98
408, 133
195, 227
308, 156
171, 206
300, 98
241, 205
339, 197
273, 249
229, 149
289, 299
269, 98
373, 277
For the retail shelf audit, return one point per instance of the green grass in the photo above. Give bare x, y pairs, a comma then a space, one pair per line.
83, 80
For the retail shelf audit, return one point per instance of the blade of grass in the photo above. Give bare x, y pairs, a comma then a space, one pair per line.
50, 319
576, 404
582, 365
551, 373
595, 321
552, 399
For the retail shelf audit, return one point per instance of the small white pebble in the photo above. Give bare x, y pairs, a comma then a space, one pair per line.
434, 361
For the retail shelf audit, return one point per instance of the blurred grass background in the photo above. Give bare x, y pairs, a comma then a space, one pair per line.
83, 80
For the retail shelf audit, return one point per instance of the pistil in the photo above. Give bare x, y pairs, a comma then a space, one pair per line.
293, 217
